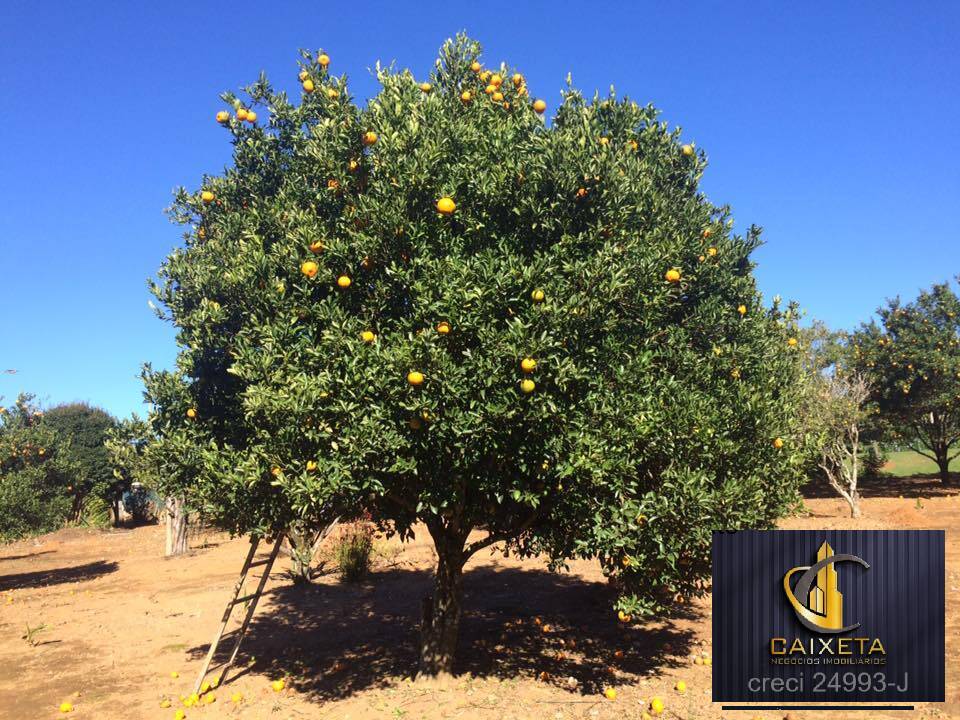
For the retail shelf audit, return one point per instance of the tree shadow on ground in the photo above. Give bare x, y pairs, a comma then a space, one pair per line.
56, 576
335, 639
26, 555
886, 486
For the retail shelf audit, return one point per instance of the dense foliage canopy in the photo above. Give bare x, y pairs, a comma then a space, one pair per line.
442, 309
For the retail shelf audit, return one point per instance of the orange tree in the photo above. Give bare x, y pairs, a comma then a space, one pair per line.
912, 357
37, 475
442, 309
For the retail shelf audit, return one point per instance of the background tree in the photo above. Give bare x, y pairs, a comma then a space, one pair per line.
86, 429
127, 444
441, 309
36, 472
912, 358
838, 406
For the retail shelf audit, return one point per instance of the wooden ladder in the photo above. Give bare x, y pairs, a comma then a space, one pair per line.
252, 598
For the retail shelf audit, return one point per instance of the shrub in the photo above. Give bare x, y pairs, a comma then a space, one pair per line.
353, 550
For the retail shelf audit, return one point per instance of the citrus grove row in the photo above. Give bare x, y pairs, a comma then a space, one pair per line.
466, 319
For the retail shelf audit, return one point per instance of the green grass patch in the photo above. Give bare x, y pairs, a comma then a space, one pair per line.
906, 463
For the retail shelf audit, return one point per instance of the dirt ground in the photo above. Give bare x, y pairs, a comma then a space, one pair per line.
120, 619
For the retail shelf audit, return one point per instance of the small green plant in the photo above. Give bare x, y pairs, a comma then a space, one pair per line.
33, 633
353, 550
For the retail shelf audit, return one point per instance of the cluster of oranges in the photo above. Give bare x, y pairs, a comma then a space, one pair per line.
495, 87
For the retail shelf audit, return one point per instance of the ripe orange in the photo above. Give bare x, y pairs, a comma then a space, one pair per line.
712, 251
242, 114
316, 247
275, 471
369, 138
539, 106
485, 76
207, 196
277, 685
466, 96
496, 80
522, 91
538, 296
490, 89
517, 79
623, 617
303, 75
707, 232
581, 193
672, 275
311, 465
778, 443
610, 694
308, 85
415, 378
426, 87
475, 66
446, 206
344, 281
332, 93
528, 365
656, 705
497, 97
191, 413
323, 60
687, 150
223, 116
333, 184
368, 336
527, 386
792, 342
604, 140
443, 327
742, 309
632, 144
309, 268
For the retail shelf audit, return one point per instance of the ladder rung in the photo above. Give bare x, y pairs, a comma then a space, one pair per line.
243, 599
258, 563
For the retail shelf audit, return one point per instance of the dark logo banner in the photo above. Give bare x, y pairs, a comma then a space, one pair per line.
828, 616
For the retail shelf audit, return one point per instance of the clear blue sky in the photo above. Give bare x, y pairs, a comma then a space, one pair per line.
835, 126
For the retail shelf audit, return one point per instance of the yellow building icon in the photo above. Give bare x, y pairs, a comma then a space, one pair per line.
824, 598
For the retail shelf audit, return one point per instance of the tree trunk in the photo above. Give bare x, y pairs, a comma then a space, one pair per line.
440, 625
176, 527
943, 462
854, 501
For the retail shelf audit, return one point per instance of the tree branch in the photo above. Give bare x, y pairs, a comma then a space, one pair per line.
498, 536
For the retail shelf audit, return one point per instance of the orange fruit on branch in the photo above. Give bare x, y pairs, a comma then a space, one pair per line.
443, 327
527, 386
415, 378
344, 281
323, 60
308, 85
528, 365
223, 116
446, 206
207, 196
309, 268
672, 275
369, 138
539, 106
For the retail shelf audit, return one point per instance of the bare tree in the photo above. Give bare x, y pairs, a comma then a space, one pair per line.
839, 406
